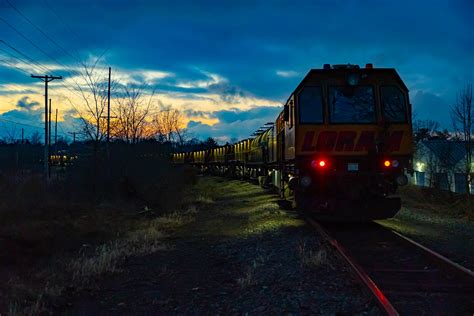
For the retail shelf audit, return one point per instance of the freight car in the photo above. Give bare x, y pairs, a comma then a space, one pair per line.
340, 147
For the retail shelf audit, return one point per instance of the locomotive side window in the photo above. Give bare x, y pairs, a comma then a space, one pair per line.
310, 105
393, 104
351, 104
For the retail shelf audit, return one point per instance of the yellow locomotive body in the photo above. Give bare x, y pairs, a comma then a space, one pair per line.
340, 147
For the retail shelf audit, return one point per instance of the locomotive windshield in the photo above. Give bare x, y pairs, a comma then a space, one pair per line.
310, 105
393, 104
354, 105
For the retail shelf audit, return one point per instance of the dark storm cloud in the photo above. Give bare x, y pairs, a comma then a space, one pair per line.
227, 92
26, 103
200, 114
252, 44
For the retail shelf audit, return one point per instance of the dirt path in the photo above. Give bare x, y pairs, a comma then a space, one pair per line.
237, 253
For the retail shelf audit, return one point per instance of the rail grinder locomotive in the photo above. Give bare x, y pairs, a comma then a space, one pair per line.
340, 147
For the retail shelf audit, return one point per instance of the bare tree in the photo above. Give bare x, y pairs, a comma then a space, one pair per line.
132, 111
10, 133
35, 138
462, 116
168, 124
92, 88
424, 129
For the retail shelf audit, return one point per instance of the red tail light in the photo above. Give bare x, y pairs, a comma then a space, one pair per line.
319, 164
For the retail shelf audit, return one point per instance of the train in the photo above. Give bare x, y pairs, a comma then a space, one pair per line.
339, 149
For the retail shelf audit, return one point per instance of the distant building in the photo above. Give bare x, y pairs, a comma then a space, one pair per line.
441, 164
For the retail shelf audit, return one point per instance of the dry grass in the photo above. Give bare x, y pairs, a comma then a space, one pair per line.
246, 280
437, 201
108, 257
146, 239
39, 305
310, 258
204, 198
134, 236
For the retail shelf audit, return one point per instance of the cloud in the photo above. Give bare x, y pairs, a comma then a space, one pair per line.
234, 123
211, 79
224, 65
193, 113
26, 104
29, 117
259, 113
427, 105
13, 121
287, 73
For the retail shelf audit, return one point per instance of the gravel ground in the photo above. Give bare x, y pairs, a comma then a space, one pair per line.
451, 236
240, 255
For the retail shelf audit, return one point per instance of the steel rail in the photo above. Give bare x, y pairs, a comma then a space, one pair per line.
380, 297
438, 258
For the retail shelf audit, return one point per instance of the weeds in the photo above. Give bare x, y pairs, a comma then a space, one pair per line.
310, 258
438, 201
95, 262
204, 199
247, 280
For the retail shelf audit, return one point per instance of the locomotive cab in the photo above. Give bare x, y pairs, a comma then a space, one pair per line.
348, 142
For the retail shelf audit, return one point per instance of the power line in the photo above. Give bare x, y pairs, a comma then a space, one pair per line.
60, 19
73, 72
35, 68
25, 38
34, 126
19, 123
14, 66
32, 63
40, 30
12, 56
36, 63
25, 56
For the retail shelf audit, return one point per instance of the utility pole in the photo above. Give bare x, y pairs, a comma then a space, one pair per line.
46, 79
22, 135
108, 110
73, 136
49, 139
56, 133
49, 127
107, 145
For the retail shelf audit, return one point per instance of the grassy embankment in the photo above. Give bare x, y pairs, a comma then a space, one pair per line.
438, 220
61, 238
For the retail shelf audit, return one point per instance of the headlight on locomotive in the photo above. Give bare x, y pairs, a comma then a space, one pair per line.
306, 181
401, 180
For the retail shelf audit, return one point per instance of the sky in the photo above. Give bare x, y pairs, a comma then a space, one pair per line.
228, 66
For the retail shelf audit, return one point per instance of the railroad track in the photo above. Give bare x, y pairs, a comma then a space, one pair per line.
405, 277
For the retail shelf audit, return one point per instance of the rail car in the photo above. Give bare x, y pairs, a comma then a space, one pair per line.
340, 147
